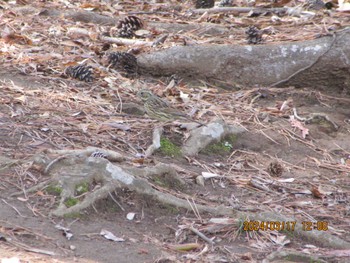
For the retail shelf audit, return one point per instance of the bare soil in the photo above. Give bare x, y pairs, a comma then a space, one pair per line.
147, 236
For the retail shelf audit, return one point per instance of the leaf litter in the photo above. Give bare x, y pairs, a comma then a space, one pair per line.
62, 112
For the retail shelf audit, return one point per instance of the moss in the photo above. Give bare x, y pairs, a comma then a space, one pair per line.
223, 147
170, 208
168, 181
81, 188
168, 148
70, 202
73, 215
54, 190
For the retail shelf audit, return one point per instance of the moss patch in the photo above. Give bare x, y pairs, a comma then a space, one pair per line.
70, 202
168, 181
81, 188
54, 190
223, 147
168, 148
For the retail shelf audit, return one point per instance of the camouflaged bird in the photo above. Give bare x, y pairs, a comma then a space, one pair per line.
159, 109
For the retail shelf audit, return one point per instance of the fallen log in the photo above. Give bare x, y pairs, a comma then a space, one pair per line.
323, 63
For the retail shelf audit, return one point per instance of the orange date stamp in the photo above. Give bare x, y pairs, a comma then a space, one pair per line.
284, 225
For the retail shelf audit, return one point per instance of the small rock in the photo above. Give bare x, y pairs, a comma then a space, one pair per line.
200, 180
130, 216
73, 248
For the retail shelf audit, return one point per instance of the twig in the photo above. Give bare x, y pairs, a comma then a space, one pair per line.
268, 137
160, 40
48, 167
153, 13
314, 116
71, 223
14, 208
30, 249
125, 41
201, 235
115, 201
194, 209
238, 10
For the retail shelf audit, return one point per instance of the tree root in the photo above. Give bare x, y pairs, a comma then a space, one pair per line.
157, 133
199, 138
322, 238
292, 256
74, 169
79, 167
203, 136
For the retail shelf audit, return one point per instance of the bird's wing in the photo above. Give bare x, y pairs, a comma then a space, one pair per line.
160, 103
174, 112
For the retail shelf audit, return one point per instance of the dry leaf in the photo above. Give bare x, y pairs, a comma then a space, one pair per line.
316, 193
13, 38
21, 99
344, 5
297, 124
184, 247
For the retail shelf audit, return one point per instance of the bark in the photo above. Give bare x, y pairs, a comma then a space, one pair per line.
89, 17
319, 63
323, 63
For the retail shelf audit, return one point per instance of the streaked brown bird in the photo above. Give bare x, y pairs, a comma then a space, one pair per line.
159, 109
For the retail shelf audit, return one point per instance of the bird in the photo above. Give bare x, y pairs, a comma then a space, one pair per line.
159, 109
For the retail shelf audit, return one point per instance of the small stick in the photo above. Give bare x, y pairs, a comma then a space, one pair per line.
202, 236
115, 201
53, 162
238, 10
14, 208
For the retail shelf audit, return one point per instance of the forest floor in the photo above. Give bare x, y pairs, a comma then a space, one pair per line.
295, 164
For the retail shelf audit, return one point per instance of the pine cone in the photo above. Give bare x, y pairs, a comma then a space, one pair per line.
98, 154
314, 4
124, 62
205, 3
226, 3
81, 72
128, 25
126, 32
275, 169
254, 35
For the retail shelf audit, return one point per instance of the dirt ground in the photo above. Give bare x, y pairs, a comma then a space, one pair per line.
293, 168
147, 237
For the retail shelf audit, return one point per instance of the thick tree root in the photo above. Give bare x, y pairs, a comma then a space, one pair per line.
75, 169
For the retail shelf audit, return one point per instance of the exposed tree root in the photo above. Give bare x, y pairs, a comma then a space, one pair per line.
292, 256
199, 138
203, 136
75, 169
157, 133
322, 238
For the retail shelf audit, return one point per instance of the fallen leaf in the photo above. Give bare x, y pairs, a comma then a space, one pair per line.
110, 236
297, 124
184, 247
